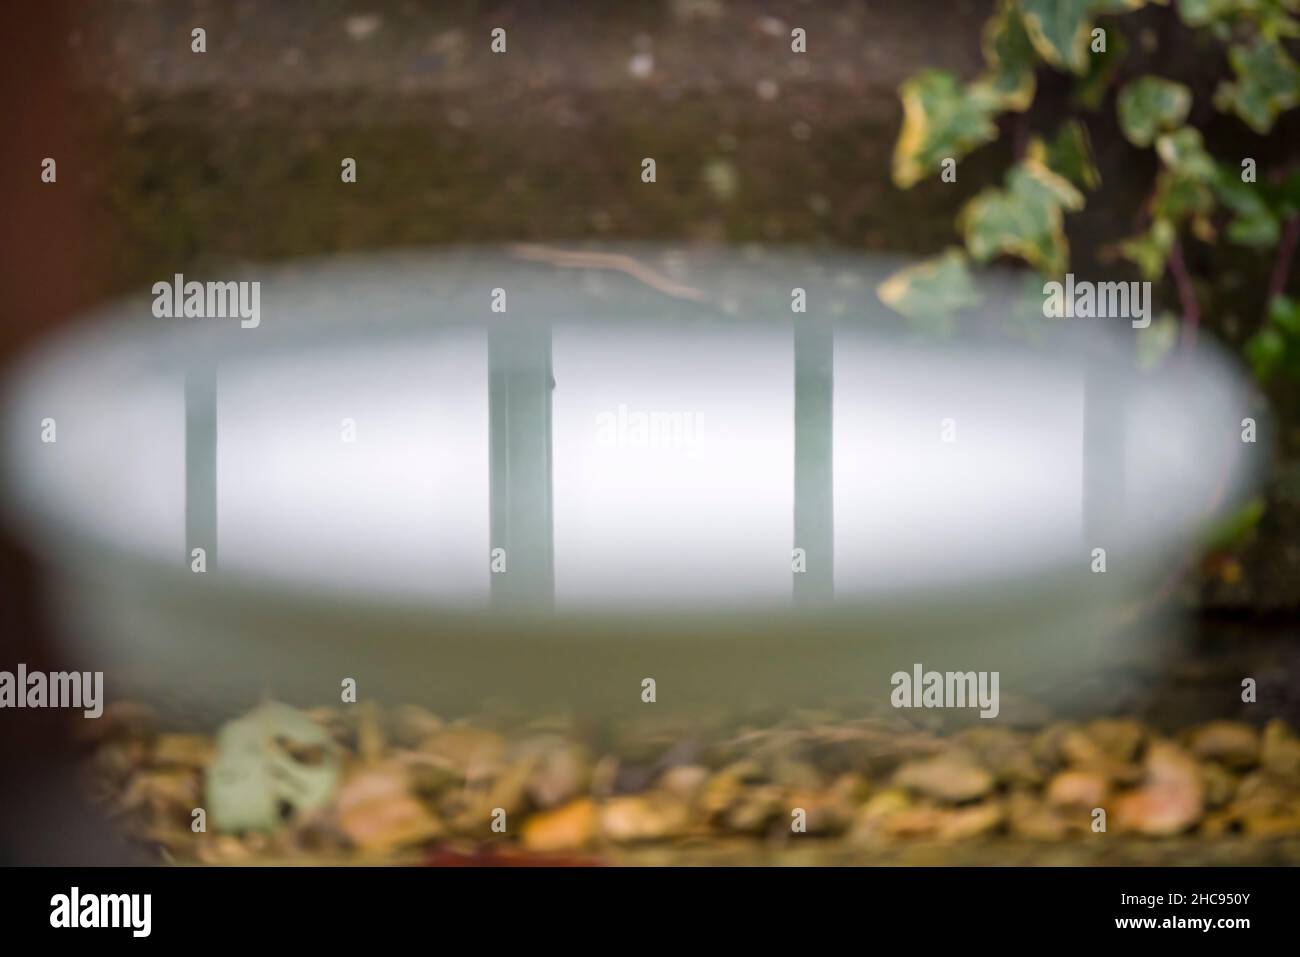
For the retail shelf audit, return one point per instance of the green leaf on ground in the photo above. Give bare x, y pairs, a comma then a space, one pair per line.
273, 763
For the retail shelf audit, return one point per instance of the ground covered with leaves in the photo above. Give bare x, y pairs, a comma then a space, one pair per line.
361, 784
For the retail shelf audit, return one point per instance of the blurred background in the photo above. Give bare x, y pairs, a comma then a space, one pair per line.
171, 161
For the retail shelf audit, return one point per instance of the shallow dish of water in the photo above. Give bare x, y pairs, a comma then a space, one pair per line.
543, 476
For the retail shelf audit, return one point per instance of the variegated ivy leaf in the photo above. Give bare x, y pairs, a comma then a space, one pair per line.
1032, 177
940, 119
929, 293
1266, 352
1255, 226
1059, 31
1090, 89
1026, 219
1069, 155
1258, 208
1179, 198
1182, 151
1270, 19
1276, 346
1267, 84
1200, 13
1151, 105
1149, 251
1287, 198
1009, 80
1124, 6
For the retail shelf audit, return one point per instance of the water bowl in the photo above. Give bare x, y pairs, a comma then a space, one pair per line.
542, 476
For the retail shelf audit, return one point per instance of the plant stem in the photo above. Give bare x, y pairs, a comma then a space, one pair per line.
1285, 253
1186, 295
1020, 135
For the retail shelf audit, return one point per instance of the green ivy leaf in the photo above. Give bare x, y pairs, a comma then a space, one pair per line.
1183, 152
1287, 201
1123, 6
1267, 84
1026, 219
1201, 13
1090, 90
1266, 353
1179, 198
1149, 251
1275, 348
1258, 232
1284, 312
1270, 19
1151, 105
1233, 529
940, 120
1059, 31
1069, 155
1254, 222
1033, 179
929, 293
1009, 79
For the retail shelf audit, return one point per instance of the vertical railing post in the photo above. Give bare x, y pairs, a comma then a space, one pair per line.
201, 463
1106, 372
814, 518
519, 424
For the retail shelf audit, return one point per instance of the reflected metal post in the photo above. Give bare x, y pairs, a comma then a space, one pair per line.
201, 463
519, 429
814, 514
1103, 453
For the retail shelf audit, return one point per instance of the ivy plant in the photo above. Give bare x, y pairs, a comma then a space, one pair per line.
1194, 196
